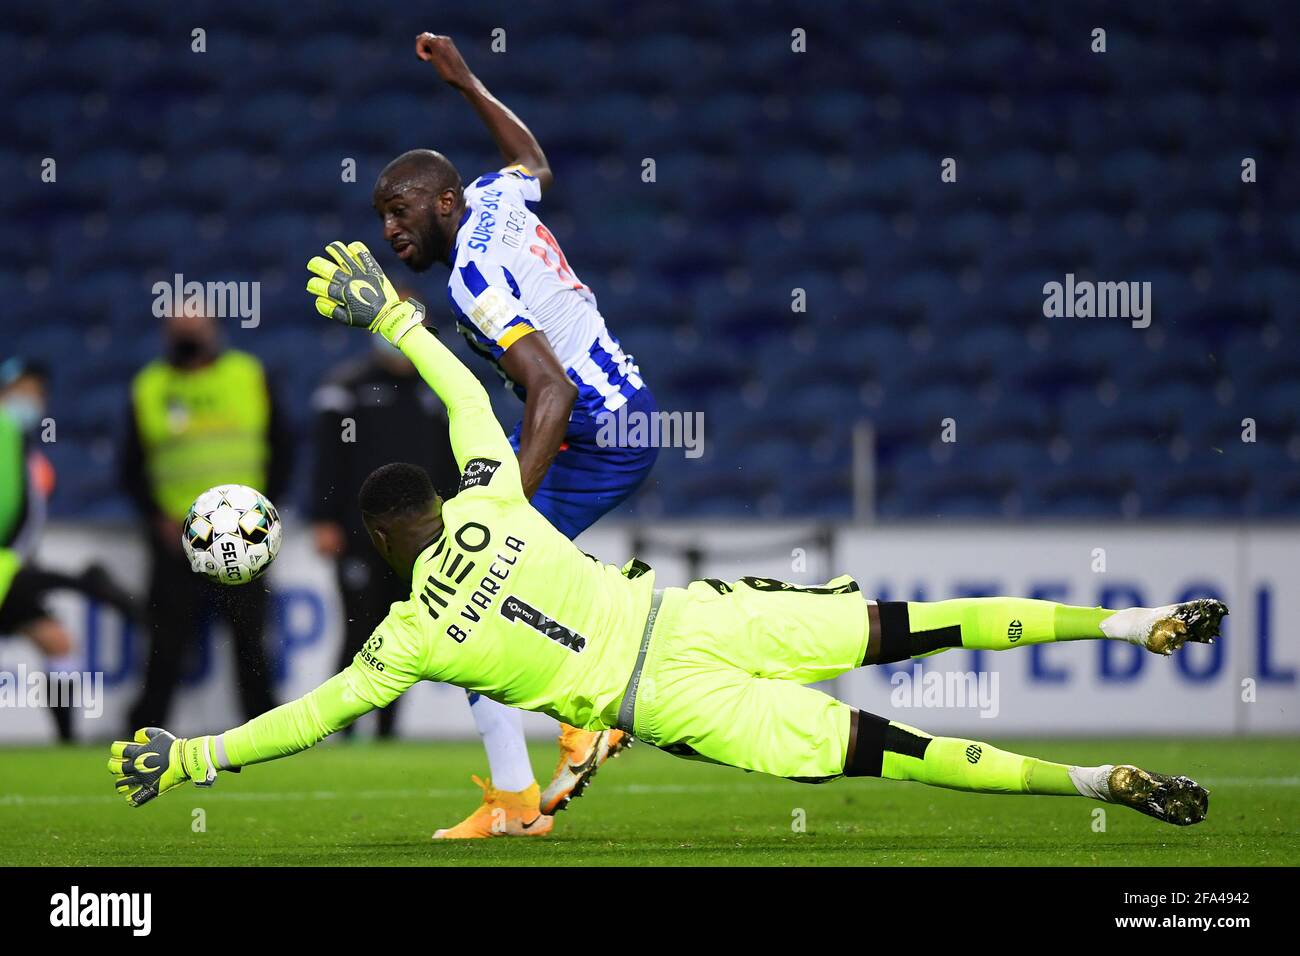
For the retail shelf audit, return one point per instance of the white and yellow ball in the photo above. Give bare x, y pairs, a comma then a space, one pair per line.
231, 534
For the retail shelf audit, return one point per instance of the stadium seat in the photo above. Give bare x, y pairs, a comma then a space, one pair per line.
924, 299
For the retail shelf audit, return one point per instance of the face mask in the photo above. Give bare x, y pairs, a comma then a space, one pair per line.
185, 351
25, 412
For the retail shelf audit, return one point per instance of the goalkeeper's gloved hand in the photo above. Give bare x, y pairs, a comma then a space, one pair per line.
354, 290
156, 761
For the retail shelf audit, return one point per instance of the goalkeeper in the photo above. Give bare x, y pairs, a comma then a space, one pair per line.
504, 605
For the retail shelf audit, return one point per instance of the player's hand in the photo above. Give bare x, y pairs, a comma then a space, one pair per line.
442, 53
155, 762
354, 290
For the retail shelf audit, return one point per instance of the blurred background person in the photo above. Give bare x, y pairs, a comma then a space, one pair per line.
366, 412
202, 415
26, 484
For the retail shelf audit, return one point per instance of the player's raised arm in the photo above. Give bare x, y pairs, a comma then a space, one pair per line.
517, 144
353, 289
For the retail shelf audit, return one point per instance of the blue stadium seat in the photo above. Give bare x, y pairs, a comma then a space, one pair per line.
774, 171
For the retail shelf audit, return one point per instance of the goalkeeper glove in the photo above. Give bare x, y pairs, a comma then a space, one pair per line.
354, 290
156, 761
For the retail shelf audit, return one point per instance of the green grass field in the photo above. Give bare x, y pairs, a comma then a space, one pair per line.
376, 804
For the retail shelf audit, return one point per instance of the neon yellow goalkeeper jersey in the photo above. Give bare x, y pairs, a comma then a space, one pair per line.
502, 603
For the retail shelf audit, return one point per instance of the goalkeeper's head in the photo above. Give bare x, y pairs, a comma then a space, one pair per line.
401, 512
420, 202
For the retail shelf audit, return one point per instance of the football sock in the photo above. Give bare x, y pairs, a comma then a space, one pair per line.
895, 751
502, 730
1134, 624
915, 628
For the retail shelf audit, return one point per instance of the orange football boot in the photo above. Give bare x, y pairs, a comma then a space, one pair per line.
502, 813
581, 754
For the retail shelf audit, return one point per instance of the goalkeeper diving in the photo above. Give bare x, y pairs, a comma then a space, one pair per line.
505, 605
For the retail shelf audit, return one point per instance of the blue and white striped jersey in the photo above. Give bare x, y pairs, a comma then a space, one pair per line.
509, 278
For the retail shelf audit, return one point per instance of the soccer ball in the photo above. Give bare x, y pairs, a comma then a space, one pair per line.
231, 534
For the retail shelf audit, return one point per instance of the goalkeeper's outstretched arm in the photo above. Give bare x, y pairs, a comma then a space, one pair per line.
156, 761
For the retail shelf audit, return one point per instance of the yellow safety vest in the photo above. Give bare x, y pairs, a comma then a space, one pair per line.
202, 427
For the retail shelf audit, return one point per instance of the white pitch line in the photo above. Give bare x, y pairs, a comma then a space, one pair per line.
636, 789
21, 800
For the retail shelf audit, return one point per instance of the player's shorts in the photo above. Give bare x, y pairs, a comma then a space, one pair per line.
586, 480
725, 667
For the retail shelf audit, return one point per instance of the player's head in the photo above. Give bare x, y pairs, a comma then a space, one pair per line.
192, 339
401, 512
419, 200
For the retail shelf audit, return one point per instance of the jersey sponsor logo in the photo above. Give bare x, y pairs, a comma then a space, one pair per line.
473, 536
516, 610
493, 309
369, 651
487, 203
455, 568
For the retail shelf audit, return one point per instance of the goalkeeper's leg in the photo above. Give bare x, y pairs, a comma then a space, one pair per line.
882, 748
695, 708
811, 634
706, 692
900, 630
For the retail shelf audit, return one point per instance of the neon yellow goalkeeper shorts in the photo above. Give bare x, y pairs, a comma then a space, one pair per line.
725, 667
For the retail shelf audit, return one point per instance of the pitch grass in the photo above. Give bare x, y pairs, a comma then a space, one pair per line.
377, 803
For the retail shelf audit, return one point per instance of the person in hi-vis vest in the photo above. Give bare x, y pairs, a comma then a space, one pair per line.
202, 415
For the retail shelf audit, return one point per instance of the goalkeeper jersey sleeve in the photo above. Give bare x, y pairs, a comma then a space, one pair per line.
368, 682
476, 435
